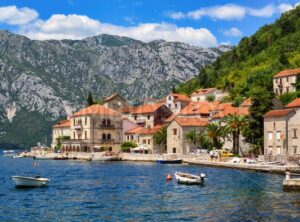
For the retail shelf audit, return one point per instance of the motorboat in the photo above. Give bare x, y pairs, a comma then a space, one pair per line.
21, 181
169, 161
190, 179
105, 158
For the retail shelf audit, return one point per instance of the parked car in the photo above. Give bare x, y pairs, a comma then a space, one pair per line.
224, 153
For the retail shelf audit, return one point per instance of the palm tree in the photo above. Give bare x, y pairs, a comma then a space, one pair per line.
192, 136
213, 136
160, 137
235, 124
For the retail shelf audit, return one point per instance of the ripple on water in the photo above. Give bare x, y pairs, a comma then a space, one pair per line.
138, 192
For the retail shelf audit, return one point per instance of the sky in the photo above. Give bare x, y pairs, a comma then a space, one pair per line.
204, 23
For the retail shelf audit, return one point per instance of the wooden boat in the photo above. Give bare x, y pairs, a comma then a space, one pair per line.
169, 161
21, 181
189, 179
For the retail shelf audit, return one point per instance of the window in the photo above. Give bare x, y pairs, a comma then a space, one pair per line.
149, 141
159, 117
270, 135
85, 134
169, 105
85, 120
108, 122
278, 135
287, 79
131, 137
74, 135
295, 149
174, 150
104, 136
144, 141
287, 89
278, 150
127, 137
176, 105
104, 122
74, 123
135, 117
274, 125
276, 80
148, 117
170, 98
174, 132
108, 136
294, 133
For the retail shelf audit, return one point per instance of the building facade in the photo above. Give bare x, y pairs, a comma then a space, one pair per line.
60, 130
177, 142
115, 102
207, 94
93, 129
176, 102
285, 81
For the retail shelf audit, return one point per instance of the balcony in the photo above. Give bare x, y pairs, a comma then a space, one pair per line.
77, 127
107, 141
107, 126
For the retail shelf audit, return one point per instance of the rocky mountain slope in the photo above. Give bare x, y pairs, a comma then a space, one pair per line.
47, 80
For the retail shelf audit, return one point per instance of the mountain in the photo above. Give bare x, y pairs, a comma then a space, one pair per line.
248, 69
43, 81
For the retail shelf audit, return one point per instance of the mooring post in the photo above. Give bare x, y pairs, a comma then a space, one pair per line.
287, 175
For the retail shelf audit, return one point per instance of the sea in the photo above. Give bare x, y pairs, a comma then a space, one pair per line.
135, 191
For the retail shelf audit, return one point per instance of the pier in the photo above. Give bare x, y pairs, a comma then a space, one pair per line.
291, 184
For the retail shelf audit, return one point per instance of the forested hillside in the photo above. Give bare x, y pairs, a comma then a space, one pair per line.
247, 70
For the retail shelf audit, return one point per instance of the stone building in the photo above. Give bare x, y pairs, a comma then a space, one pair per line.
206, 94
282, 133
61, 129
177, 142
176, 102
284, 81
115, 102
95, 128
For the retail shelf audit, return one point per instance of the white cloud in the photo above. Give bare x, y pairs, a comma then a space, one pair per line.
176, 15
233, 32
266, 11
12, 15
80, 26
233, 12
225, 12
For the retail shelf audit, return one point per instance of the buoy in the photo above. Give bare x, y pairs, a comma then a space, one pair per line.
169, 177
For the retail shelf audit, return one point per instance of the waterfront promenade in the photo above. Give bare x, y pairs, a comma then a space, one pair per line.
193, 159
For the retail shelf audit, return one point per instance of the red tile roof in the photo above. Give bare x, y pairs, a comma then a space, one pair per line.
288, 72
202, 107
180, 97
278, 113
295, 103
136, 130
147, 108
170, 119
203, 91
184, 121
63, 124
246, 102
151, 131
96, 109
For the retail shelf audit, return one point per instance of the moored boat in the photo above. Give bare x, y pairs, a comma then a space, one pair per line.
169, 161
21, 181
189, 179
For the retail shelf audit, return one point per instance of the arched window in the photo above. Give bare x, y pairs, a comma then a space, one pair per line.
108, 122
108, 136
104, 136
104, 122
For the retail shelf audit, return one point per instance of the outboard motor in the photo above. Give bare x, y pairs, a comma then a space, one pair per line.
202, 176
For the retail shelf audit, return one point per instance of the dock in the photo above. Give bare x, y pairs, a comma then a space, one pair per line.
291, 184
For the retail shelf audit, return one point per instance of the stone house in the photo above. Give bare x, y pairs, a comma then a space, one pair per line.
148, 115
177, 142
115, 102
95, 128
176, 102
62, 128
204, 94
282, 133
284, 81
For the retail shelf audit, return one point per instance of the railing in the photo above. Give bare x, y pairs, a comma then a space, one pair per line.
107, 141
78, 127
107, 126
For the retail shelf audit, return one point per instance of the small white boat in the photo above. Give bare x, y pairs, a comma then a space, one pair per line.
21, 181
17, 156
189, 179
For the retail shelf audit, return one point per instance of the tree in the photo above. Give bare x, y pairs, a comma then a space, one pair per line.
173, 89
58, 142
235, 124
90, 100
213, 135
160, 137
125, 146
210, 98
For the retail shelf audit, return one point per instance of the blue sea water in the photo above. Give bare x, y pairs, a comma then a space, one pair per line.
130, 191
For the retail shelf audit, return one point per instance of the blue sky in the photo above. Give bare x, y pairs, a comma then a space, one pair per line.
197, 22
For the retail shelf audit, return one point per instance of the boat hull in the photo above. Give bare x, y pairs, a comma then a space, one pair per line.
188, 179
29, 181
177, 161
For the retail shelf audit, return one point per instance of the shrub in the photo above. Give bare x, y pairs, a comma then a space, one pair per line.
126, 146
